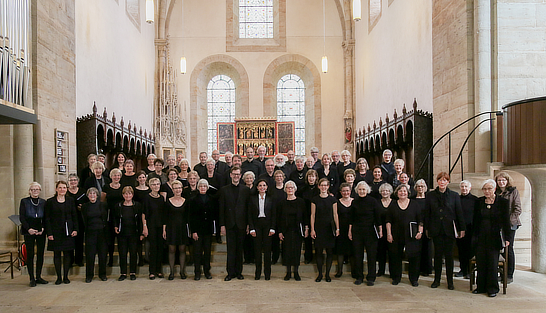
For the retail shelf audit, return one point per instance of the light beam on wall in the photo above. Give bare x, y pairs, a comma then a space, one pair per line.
150, 11
183, 65
357, 10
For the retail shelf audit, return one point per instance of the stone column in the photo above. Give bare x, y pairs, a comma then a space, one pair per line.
483, 76
23, 162
537, 177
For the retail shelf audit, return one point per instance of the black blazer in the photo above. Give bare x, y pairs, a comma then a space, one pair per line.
103, 211
441, 211
31, 216
500, 222
269, 210
203, 215
233, 210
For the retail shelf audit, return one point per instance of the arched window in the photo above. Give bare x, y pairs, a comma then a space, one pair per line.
291, 107
220, 106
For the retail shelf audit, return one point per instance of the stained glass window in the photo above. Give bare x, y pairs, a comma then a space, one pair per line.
291, 107
256, 19
220, 106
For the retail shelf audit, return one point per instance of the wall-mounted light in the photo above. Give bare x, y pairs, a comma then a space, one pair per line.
182, 65
150, 11
357, 10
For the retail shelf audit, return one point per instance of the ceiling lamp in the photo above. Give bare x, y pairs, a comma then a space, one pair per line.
357, 10
324, 58
182, 65
150, 11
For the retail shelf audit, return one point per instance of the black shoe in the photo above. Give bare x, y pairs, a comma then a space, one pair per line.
160, 275
358, 282
122, 277
32, 283
41, 281
395, 282
297, 276
319, 278
267, 277
208, 276
327, 278
338, 274
379, 274
450, 287
66, 280
459, 274
227, 278
58, 281
435, 285
491, 295
370, 283
183, 276
171, 276
257, 277
151, 276
288, 275
103, 278
133, 276
240, 277
475, 291
415, 284
197, 276
88, 280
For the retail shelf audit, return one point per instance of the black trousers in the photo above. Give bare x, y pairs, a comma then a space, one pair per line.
234, 239
79, 240
202, 250
32, 242
155, 237
487, 262
426, 255
443, 248
262, 241
511, 255
382, 251
464, 246
275, 248
248, 248
396, 254
308, 254
65, 261
95, 244
127, 244
111, 240
363, 241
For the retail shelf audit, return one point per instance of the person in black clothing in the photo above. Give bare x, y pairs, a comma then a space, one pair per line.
250, 164
308, 192
491, 231
201, 167
345, 163
426, 244
387, 166
171, 163
214, 178
175, 228
261, 151
87, 171
444, 222
166, 190
184, 170
349, 178
261, 224
344, 246
364, 230
363, 172
128, 227
129, 177
316, 161
404, 179
233, 222
61, 226
330, 172
278, 193
112, 195
152, 227
119, 161
158, 173
280, 165
404, 231
324, 227
203, 218
219, 166
298, 174
151, 167
95, 219
141, 189
269, 172
31, 214
376, 182
382, 244
293, 226
464, 245
78, 194
248, 242
98, 180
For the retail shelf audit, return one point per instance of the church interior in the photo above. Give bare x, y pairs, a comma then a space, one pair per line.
447, 85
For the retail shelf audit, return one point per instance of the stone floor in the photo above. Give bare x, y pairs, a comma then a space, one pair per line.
526, 294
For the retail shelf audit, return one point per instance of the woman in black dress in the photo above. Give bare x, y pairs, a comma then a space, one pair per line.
151, 160
152, 216
61, 222
404, 230
345, 163
203, 218
492, 228
382, 244
324, 227
308, 192
349, 178
363, 172
141, 189
167, 188
364, 230
344, 247
261, 224
111, 194
278, 194
426, 244
293, 227
184, 170
377, 182
97, 180
87, 171
214, 178
330, 172
95, 219
79, 197
128, 227
191, 191
129, 177
119, 162
176, 229
31, 214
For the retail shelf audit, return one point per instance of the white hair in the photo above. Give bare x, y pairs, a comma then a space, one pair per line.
491, 182
465, 182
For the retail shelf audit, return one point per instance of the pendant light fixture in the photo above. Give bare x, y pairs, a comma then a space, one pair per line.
324, 57
150, 14
357, 10
182, 59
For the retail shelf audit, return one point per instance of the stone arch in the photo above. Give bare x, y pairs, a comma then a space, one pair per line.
203, 72
308, 72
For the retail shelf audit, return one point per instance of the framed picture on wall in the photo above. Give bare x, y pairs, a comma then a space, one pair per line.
285, 136
226, 137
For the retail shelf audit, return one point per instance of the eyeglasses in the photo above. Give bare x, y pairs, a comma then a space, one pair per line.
35, 189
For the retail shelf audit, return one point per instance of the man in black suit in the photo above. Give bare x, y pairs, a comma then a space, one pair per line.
269, 171
315, 154
201, 167
250, 164
219, 166
233, 222
261, 157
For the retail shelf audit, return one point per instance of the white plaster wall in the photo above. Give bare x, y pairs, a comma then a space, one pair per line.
115, 62
201, 32
393, 62
521, 49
